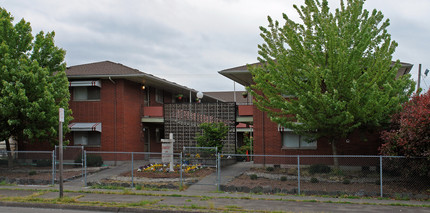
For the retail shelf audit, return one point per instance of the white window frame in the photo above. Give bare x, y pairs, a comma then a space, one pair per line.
301, 141
81, 93
159, 98
87, 136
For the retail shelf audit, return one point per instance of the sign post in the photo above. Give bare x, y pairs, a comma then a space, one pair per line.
60, 142
167, 151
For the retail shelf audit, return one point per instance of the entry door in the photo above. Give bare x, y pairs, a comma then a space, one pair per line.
146, 139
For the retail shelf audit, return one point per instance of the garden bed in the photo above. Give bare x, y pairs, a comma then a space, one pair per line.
348, 184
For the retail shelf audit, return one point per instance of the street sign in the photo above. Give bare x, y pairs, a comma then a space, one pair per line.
61, 114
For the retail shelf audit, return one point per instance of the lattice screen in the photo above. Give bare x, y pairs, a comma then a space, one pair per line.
183, 121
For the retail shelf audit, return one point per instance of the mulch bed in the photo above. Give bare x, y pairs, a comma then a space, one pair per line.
147, 174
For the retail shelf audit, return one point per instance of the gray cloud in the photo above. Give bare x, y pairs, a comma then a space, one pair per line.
188, 41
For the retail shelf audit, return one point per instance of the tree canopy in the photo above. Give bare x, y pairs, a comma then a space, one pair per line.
33, 83
330, 73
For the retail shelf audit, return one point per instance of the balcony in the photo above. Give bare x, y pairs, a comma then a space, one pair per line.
245, 113
153, 114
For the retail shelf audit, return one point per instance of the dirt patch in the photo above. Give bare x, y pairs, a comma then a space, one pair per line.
153, 174
41, 175
355, 184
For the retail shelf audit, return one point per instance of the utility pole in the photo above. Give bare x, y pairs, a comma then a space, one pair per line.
419, 78
60, 141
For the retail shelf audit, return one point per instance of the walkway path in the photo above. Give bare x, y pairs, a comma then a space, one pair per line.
208, 184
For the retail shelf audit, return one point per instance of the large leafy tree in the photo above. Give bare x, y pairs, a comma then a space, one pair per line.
33, 83
331, 73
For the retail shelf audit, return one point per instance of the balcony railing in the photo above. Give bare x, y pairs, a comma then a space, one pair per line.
153, 111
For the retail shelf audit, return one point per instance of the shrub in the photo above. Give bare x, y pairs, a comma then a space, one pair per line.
43, 162
92, 160
346, 181
138, 187
283, 178
319, 168
253, 177
32, 173
270, 169
314, 180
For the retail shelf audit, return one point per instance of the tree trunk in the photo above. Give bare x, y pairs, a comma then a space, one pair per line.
334, 149
9, 154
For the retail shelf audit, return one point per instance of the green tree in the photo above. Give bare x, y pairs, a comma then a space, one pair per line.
213, 135
33, 83
331, 73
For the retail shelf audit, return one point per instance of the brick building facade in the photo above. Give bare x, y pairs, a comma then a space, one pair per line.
272, 139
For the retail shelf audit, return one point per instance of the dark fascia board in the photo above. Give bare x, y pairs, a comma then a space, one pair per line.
242, 76
148, 80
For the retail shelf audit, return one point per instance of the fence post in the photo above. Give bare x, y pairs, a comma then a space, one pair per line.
218, 171
298, 174
380, 173
53, 167
132, 168
180, 171
85, 166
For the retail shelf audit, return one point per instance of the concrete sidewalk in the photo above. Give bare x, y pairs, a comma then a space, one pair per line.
209, 183
184, 201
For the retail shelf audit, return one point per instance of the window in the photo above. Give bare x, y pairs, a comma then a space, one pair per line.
86, 93
87, 138
159, 96
290, 140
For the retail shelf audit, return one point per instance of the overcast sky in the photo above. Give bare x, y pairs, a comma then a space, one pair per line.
189, 41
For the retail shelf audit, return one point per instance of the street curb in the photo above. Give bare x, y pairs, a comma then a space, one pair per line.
84, 208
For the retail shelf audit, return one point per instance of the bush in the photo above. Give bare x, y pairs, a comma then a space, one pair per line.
314, 180
270, 169
319, 168
43, 162
138, 187
32, 173
92, 160
346, 181
283, 178
253, 177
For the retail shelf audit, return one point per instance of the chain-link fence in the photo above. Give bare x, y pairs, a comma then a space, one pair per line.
341, 175
27, 167
384, 176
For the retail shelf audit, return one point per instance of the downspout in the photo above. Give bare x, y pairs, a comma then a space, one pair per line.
114, 120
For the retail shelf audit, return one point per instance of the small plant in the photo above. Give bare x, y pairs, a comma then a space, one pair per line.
253, 177
270, 169
337, 172
319, 168
32, 173
346, 181
284, 178
138, 187
314, 180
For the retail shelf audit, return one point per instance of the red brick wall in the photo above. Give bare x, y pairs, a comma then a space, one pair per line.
268, 141
126, 137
